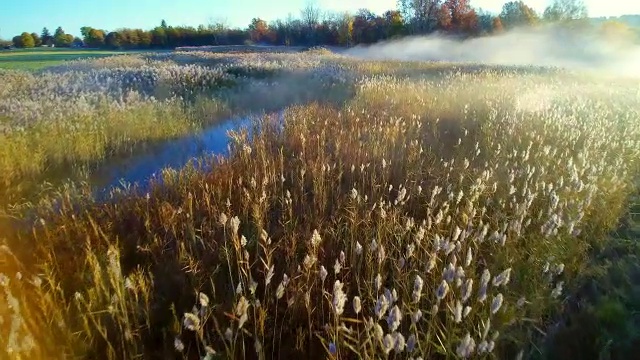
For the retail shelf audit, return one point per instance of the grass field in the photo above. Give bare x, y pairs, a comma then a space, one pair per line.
39, 58
376, 209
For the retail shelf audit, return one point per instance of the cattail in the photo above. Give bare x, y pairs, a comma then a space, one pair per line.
223, 219
339, 298
337, 267
449, 273
315, 239
332, 348
269, 276
354, 194
496, 304
457, 312
323, 273
309, 260
281, 287
466, 312
456, 234
416, 316
400, 342
242, 308
557, 291
394, 318
503, 278
357, 305
378, 282
234, 224
484, 279
469, 258
381, 254
378, 333
253, 286
203, 299
417, 289
442, 290
467, 289
191, 322
466, 347
382, 304
521, 302
388, 343
483, 347
178, 345
411, 343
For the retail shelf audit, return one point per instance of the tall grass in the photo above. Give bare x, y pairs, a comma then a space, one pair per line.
420, 219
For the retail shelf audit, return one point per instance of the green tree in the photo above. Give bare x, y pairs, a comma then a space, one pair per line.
46, 37
26, 40
36, 38
158, 37
517, 13
61, 39
566, 10
144, 38
113, 40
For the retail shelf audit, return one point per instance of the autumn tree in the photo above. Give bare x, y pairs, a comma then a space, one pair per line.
92, 37
458, 16
364, 24
345, 30
258, 30
517, 13
445, 20
393, 24
496, 26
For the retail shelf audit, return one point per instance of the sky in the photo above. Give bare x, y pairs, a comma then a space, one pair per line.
146, 14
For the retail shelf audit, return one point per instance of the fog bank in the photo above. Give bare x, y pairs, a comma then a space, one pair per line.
543, 46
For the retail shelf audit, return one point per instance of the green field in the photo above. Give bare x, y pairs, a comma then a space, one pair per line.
39, 58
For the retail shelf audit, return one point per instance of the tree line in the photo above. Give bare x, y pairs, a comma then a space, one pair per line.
314, 27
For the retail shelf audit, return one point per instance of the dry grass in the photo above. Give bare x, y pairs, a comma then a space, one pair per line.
432, 218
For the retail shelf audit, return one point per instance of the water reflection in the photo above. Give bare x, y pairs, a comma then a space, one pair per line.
141, 167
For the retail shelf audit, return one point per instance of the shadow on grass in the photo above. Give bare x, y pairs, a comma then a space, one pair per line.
601, 320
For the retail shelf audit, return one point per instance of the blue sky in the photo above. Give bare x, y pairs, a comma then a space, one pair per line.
111, 14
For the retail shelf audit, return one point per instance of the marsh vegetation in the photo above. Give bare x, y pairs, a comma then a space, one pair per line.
369, 209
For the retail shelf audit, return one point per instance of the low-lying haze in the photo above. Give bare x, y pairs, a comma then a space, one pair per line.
544, 46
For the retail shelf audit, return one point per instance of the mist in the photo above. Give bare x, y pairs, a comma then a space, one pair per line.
548, 46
